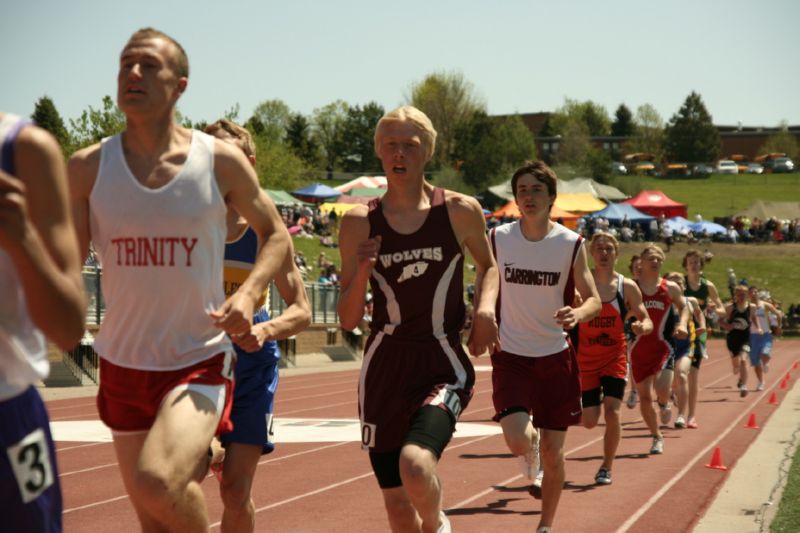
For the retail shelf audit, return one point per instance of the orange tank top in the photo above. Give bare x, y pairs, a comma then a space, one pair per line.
603, 338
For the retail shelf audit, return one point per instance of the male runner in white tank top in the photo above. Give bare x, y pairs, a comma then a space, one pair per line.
535, 376
153, 202
41, 294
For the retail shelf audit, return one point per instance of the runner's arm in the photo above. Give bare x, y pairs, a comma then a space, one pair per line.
466, 215
239, 184
358, 254
635, 305
590, 306
38, 235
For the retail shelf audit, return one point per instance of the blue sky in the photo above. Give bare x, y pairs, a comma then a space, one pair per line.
521, 56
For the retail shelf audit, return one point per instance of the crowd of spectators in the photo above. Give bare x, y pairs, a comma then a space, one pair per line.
743, 229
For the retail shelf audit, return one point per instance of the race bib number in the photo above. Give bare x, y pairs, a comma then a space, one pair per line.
453, 403
30, 461
368, 434
270, 429
228, 365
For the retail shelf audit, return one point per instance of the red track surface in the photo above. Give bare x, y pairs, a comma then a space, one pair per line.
328, 486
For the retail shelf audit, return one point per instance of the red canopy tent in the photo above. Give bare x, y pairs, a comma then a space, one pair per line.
656, 203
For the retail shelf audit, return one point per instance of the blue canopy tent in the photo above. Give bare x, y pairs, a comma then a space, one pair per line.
615, 214
317, 192
704, 226
678, 225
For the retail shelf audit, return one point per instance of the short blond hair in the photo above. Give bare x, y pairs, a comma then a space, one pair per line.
605, 235
243, 137
181, 60
676, 277
652, 249
416, 117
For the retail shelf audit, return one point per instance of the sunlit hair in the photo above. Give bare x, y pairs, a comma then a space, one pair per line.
652, 249
677, 277
540, 171
607, 236
181, 60
416, 117
244, 139
693, 253
634, 258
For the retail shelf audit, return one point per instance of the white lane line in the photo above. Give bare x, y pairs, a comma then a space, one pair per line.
690, 464
95, 504
345, 482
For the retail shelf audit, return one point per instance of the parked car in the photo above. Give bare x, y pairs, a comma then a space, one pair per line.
677, 170
755, 168
783, 164
701, 169
726, 166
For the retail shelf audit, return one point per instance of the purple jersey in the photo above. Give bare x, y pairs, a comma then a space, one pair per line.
418, 280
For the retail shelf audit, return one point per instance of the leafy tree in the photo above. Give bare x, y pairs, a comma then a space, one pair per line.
691, 134
328, 131
95, 124
232, 114
489, 149
276, 165
269, 119
300, 140
623, 122
648, 133
47, 117
575, 141
449, 100
592, 115
358, 142
783, 141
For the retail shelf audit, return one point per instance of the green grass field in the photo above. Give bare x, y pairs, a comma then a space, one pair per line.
787, 519
719, 195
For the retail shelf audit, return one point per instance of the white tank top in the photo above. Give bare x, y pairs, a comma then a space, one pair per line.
23, 349
761, 319
535, 280
162, 252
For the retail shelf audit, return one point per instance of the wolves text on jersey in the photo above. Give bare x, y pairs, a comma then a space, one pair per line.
431, 254
154, 251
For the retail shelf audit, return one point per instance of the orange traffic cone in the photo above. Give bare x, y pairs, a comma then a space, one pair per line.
787, 377
751, 422
773, 399
784, 384
716, 460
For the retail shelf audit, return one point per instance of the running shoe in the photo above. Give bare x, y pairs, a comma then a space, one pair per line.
445, 527
743, 390
536, 489
544, 529
529, 463
603, 477
658, 446
666, 413
760, 386
692, 423
632, 398
680, 422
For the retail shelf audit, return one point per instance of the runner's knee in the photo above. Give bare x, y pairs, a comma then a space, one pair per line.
235, 492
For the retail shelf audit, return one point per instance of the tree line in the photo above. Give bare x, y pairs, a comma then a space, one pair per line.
473, 151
